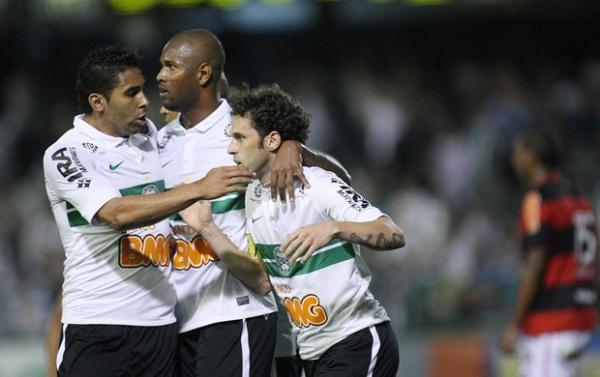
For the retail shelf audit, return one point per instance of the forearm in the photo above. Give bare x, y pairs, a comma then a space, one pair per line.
135, 211
248, 270
528, 285
326, 162
380, 234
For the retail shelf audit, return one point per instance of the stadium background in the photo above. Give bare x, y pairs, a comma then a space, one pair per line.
419, 99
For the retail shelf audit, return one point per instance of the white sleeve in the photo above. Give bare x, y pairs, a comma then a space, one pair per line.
338, 200
71, 174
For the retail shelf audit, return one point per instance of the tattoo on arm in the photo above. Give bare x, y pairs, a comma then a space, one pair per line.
380, 243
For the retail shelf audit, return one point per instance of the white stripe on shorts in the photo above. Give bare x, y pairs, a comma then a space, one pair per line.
374, 350
245, 350
61, 348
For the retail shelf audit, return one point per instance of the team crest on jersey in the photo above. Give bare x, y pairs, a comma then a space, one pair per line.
356, 200
227, 130
284, 265
150, 189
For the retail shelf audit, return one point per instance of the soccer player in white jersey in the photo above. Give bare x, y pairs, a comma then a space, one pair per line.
226, 323
105, 186
310, 247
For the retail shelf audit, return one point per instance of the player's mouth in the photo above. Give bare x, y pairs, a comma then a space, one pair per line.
162, 91
141, 120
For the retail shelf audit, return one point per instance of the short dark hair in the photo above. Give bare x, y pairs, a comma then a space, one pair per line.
99, 72
545, 143
271, 109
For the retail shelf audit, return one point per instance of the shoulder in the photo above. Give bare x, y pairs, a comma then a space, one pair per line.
70, 140
320, 176
322, 180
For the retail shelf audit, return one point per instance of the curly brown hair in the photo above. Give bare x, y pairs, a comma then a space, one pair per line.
271, 109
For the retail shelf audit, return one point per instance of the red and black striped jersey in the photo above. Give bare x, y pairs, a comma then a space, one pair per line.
559, 219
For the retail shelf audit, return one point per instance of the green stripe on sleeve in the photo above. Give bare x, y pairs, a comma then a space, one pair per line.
74, 217
228, 203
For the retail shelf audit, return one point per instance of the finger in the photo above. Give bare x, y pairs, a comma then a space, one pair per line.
289, 251
239, 180
300, 251
292, 236
302, 178
240, 173
273, 184
281, 186
309, 253
289, 182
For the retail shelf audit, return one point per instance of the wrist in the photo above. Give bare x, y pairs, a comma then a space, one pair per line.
207, 229
335, 228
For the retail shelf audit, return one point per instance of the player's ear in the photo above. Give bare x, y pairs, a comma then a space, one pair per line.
272, 141
97, 102
204, 74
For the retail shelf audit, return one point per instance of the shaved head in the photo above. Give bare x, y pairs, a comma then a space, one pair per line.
200, 46
189, 81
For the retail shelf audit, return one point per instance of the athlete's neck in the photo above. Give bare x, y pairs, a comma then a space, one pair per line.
264, 174
200, 111
100, 124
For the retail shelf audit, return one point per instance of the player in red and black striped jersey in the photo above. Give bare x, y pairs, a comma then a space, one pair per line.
556, 308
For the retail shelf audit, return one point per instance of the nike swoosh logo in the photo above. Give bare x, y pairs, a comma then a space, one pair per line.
166, 163
114, 167
256, 219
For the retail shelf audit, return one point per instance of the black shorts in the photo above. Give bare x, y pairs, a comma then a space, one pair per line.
242, 348
371, 352
290, 366
117, 351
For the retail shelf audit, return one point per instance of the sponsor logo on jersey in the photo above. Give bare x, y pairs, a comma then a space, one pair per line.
135, 251
353, 198
194, 254
115, 166
90, 146
65, 165
83, 183
305, 312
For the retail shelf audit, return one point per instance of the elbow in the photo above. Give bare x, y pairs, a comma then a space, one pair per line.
262, 287
265, 290
117, 222
400, 240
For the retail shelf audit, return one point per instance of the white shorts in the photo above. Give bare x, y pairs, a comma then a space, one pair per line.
553, 354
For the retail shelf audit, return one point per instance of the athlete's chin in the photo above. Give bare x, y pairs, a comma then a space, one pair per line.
140, 124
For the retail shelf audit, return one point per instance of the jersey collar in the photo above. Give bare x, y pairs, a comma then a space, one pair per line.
87, 129
215, 117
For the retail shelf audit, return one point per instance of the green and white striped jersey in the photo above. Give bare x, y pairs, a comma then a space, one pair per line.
110, 277
327, 298
207, 292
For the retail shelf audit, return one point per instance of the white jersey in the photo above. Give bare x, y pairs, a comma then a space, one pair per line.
110, 277
327, 298
207, 292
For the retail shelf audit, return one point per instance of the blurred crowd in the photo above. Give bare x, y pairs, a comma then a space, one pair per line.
427, 139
